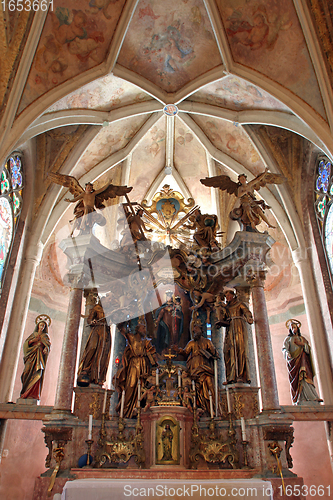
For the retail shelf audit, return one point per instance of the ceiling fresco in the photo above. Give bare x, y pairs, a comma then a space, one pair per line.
231, 139
169, 46
75, 38
108, 141
235, 93
106, 93
266, 36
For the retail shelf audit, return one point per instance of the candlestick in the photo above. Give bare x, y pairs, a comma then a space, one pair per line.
179, 378
228, 400
243, 429
157, 381
139, 392
216, 387
104, 402
122, 404
211, 405
90, 427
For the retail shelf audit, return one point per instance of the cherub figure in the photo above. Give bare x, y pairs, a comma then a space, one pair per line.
187, 399
88, 200
149, 394
250, 211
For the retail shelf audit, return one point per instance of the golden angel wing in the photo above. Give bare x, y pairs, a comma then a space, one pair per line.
111, 191
266, 178
67, 181
221, 181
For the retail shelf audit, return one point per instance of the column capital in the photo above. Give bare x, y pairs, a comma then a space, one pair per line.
77, 280
256, 278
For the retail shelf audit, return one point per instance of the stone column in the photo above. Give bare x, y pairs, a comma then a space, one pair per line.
64, 393
318, 339
269, 392
13, 342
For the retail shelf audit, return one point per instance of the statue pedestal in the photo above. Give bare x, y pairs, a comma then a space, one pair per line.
89, 401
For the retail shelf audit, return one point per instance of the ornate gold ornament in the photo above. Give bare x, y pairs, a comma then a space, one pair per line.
164, 215
211, 446
120, 448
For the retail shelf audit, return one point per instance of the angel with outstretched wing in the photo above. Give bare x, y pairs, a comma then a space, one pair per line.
250, 211
87, 200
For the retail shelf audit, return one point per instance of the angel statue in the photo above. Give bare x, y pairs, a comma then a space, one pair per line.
87, 200
250, 211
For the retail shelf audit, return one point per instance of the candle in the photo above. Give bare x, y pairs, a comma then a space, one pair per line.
90, 427
243, 429
193, 385
122, 404
216, 386
157, 381
211, 405
194, 400
139, 390
179, 378
104, 402
228, 401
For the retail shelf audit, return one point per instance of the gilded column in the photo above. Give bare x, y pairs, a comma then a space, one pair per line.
269, 392
66, 377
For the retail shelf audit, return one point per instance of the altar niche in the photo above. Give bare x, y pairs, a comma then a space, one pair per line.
167, 441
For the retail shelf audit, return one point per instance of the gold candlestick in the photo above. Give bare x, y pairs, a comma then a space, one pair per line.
89, 444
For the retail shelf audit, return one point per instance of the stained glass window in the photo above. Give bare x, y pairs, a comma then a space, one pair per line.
11, 187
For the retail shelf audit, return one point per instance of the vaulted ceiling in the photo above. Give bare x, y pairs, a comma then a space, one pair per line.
84, 86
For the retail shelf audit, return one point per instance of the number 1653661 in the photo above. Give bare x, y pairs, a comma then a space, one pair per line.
27, 5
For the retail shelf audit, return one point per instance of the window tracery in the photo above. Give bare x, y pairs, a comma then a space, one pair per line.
324, 206
11, 189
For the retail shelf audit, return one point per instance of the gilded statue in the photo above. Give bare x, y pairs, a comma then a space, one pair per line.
88, 200
235, 342
200, 353
205, 229
169, 323
136, 226
249, 211
94, 362
297, 352
139, 355
167, 437
36, 349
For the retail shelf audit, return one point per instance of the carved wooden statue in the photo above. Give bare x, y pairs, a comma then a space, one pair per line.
87, 200
250, 211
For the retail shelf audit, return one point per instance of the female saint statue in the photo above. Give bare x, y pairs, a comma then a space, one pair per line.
36, 349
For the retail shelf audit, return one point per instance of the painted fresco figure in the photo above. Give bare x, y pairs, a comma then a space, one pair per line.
200, 353
297, 352
95, 358
36, 349
139, 355
235, 342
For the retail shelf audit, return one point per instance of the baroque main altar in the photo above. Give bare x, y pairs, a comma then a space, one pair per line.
194, 395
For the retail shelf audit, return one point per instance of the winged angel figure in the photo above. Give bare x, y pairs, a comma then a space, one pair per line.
87, 200
250, 211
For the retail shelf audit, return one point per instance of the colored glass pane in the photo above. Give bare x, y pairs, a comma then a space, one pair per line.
15, 168
16, 203
4, 182
329, 236
324, 171
6, 232
321, 207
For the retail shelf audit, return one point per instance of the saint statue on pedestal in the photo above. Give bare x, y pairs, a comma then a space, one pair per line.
36, 349
297, 352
